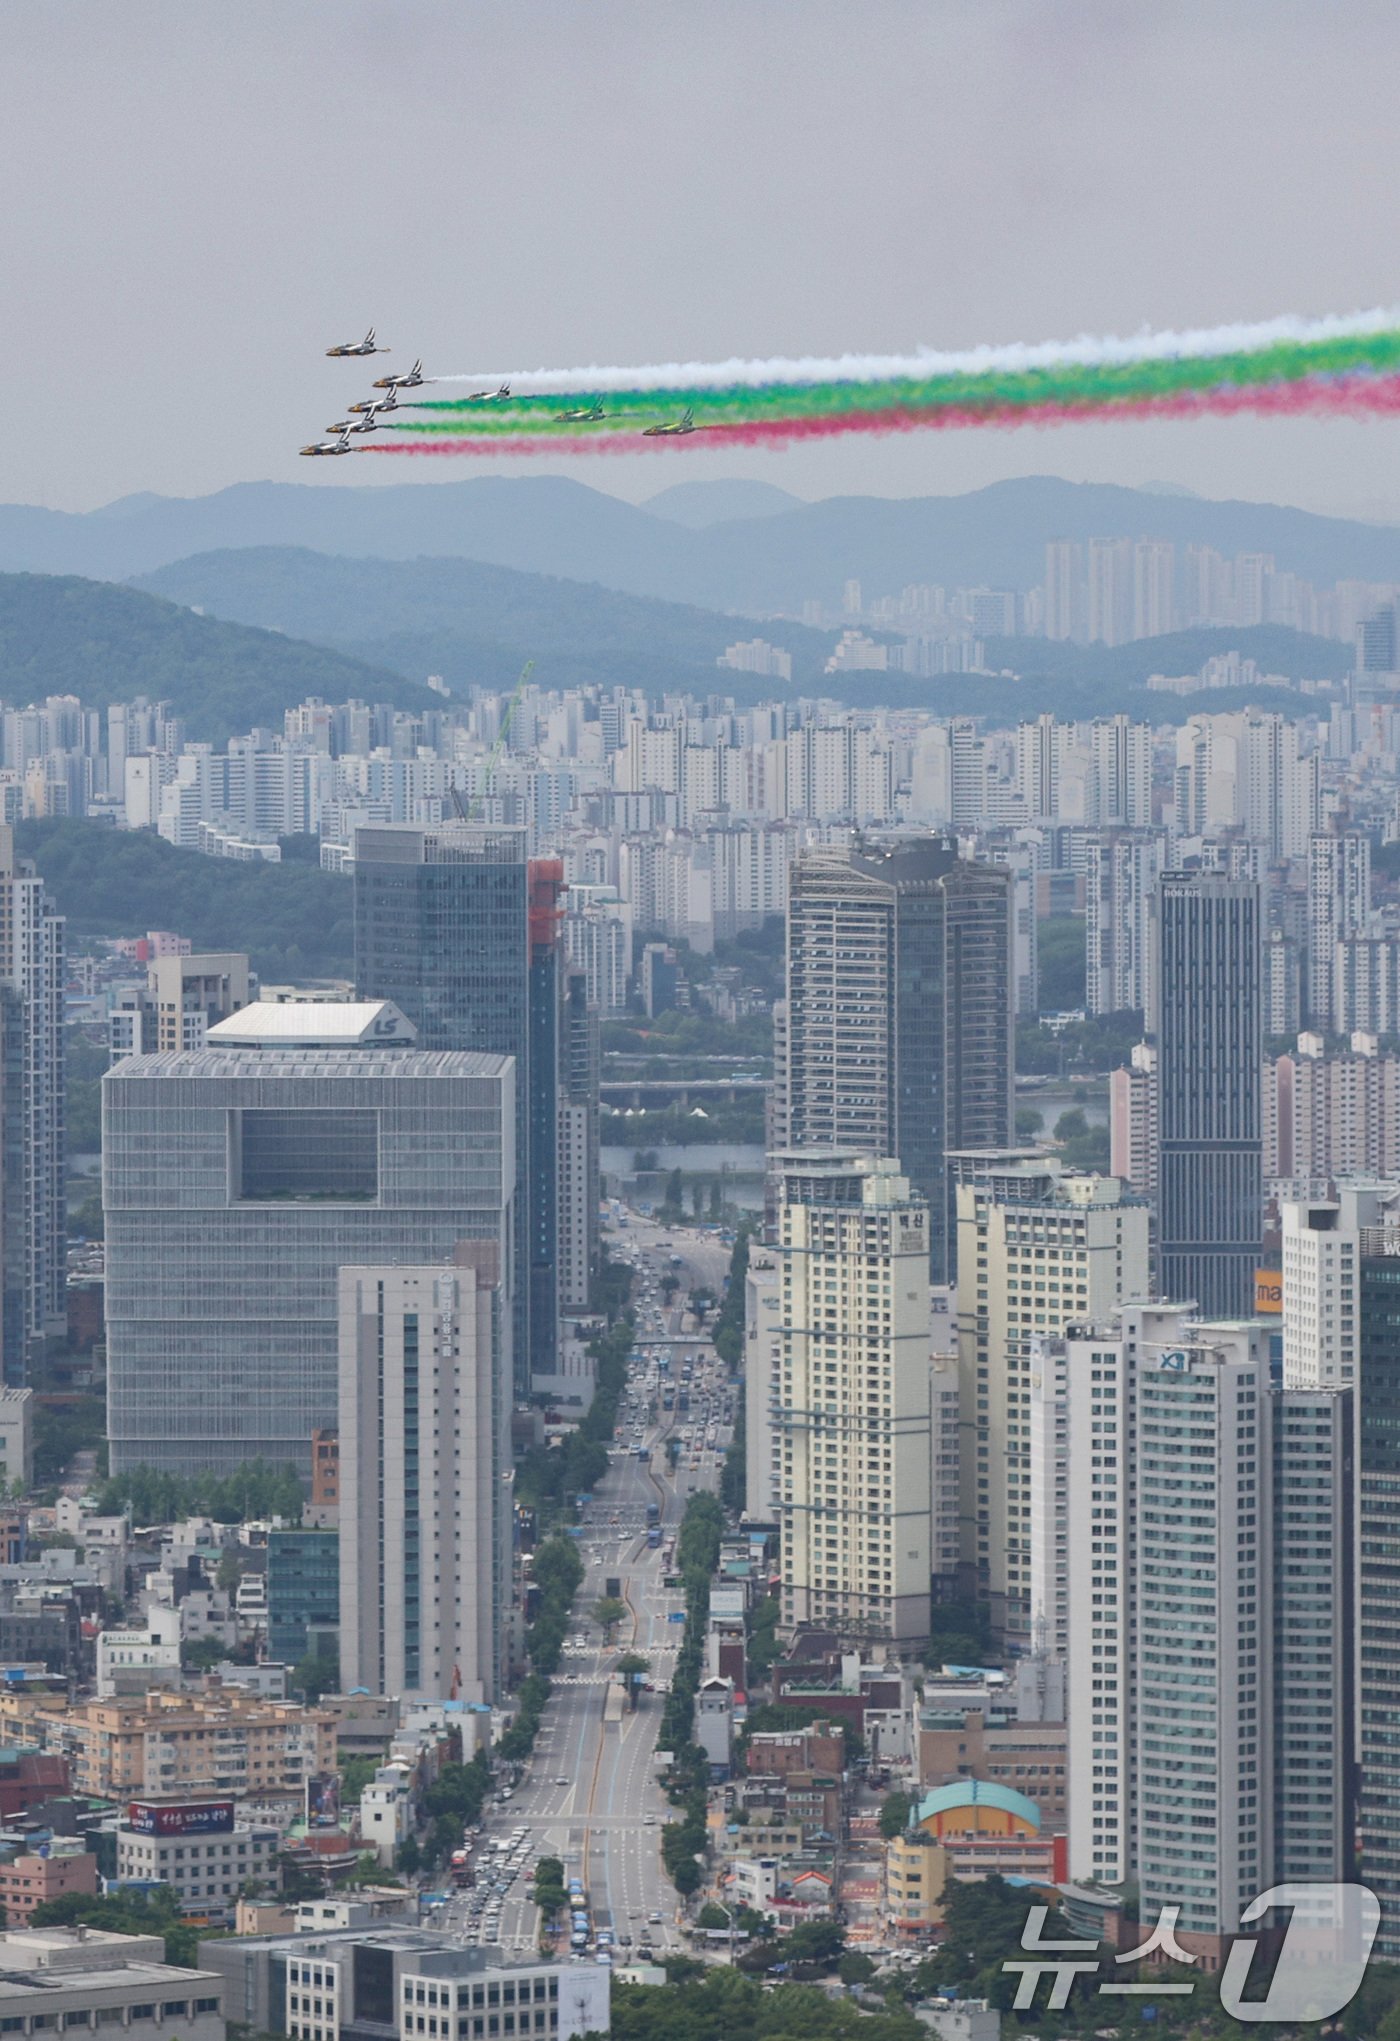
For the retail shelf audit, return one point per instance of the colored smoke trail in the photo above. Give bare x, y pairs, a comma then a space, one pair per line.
1352, 395
1018, 359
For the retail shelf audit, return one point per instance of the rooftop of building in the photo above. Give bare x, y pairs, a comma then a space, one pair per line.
315, 1023
234, 1061
972, 1793
34, 1959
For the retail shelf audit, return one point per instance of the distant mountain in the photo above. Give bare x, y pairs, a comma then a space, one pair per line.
551, 524
59, 635
475, 624
697, 505
1297, 655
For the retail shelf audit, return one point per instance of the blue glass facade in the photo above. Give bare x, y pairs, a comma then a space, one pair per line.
441, 928
1210, 1202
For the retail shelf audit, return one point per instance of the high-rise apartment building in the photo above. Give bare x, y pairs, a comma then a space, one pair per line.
1132, 1121
1122, 755
1109, 619
239, 1178
1154, 588
1283, 984
1332, 1116
183, 997
853, 1456
1121, 871
1321, 1280
763, 1374
898, 1032
1062, 589
1209, 1618
1209, 1049
579, 1070
33, 1218
1037, 1251
1247, 771
1339, 906
442, 929
424, 1459
1378, 1603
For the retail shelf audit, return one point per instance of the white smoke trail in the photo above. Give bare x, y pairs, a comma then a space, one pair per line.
1086, 352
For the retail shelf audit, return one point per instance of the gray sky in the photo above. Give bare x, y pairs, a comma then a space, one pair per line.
200, 198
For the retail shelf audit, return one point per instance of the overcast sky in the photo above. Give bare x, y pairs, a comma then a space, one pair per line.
200, 198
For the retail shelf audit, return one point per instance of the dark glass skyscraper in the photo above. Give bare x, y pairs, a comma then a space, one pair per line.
546, 999
442, 929
1208, 989
898, 1038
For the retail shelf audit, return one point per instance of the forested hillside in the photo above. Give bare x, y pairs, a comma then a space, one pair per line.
293, 920
59, 635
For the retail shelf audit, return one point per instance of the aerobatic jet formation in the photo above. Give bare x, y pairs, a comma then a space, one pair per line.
585, 417
685, 423
365, 346
411, 381
328, 446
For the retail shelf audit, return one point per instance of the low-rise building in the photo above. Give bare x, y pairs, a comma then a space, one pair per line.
137, 1657
29, 1880
17, 1439
198, 1850
916, 1871
463, 1992
959, 2019
179, 1746
991, 1743
386, 1811
56, 1980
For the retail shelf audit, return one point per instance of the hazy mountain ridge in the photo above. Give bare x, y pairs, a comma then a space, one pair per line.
475, 623
756, 565
62, 635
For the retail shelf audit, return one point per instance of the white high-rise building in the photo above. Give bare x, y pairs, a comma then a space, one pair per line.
1110, 592
1154, 588
1121, 871
853, 1397
1049, 1496
1332, 1116
424, 1466
1037, 1251
763, 1349
1132, 1121
1321, 1281
1122, 754
1062, 588
1246, 771
1339, 906
1210, 1595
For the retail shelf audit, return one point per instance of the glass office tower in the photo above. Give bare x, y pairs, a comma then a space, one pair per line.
1210, 1203
899, 1029
442, 929
237, 1181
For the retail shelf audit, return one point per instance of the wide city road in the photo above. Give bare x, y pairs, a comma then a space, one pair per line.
590, 1794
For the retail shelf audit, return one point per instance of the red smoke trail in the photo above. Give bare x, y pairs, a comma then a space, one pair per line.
1341, 397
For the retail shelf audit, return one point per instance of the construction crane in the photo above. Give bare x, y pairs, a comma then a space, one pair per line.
469, 810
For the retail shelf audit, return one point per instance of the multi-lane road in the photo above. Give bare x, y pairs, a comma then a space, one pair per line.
590, 1795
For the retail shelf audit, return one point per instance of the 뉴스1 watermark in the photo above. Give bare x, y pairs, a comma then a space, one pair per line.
1321, 1962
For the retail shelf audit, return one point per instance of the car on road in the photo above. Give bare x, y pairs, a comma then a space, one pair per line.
653, 1917
563, 1782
